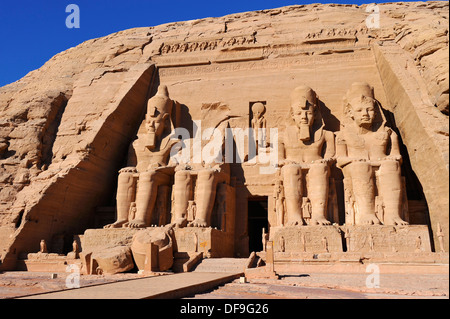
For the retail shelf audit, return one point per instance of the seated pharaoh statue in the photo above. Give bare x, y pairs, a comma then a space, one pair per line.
150, 154
305, 154
368, 153
196, 181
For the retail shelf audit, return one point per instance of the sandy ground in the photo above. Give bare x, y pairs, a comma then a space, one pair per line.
19, 283
335, 286
311, 286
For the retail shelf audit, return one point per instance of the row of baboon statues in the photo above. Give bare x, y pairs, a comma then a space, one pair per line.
365, 148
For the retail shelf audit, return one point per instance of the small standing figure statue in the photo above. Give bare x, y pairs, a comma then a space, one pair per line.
43, 247
132, 211
192, 209
303, 243
351, 207
76, 248
75, 253
306, 209
325, 244
440, 236
418, 244
379, 208
371, 243
265, 238
282, 244
279, 202
196, 242
347, 238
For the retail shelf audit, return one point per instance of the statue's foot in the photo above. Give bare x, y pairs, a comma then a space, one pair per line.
198, 223
320, 221
136, 223
369, 219
181, 222
395, 221
295, 223
117, 224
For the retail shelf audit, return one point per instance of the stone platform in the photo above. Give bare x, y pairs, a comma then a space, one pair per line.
314, 239
359, 262
381, 238
212, 242
209, 242
353, 238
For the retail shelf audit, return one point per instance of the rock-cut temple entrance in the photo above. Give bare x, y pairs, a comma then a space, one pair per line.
257, 221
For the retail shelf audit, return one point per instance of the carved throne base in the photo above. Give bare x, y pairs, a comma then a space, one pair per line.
213, 243
311, 239
382, 238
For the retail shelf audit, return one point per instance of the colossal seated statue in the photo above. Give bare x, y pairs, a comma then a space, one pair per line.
138, 185
305, 154
368, 153
198, 182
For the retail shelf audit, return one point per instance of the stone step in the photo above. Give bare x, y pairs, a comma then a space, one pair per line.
222, 265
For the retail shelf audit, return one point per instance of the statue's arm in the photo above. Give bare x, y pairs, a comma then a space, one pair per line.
341, 151
395, 147
281, 153
330, 146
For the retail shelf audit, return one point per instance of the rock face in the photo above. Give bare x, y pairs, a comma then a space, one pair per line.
65, 128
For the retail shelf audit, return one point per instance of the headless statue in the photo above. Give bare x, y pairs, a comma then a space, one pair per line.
364, 145
206, 177
307, 148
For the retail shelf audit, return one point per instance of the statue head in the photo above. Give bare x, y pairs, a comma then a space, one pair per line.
258, 110
304, 106
360, 104
159, 110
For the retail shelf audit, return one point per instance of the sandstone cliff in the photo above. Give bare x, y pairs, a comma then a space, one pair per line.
65, 128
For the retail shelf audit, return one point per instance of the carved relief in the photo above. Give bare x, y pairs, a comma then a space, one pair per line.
336, 32
205, 45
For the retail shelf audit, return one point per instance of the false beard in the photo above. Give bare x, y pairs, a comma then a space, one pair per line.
304, 132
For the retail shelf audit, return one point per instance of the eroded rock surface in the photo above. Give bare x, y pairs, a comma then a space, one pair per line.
66, 127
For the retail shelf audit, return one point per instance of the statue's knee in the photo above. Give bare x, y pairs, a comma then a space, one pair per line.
361, 168
319, 169
149, 176
290, 170
390, 166
125, 177
182, 176
205, 175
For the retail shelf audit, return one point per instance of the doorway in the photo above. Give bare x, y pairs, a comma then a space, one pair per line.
257, 220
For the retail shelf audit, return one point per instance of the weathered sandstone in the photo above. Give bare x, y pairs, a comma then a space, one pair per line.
66, 128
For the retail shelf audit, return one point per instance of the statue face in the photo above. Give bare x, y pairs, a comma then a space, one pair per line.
156, 121
303, 113
363, 111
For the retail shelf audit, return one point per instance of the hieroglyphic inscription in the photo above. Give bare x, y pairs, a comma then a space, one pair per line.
333, 32
266, 64
204, 45
241, 55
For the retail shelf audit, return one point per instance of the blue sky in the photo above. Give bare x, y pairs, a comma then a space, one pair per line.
32, 31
